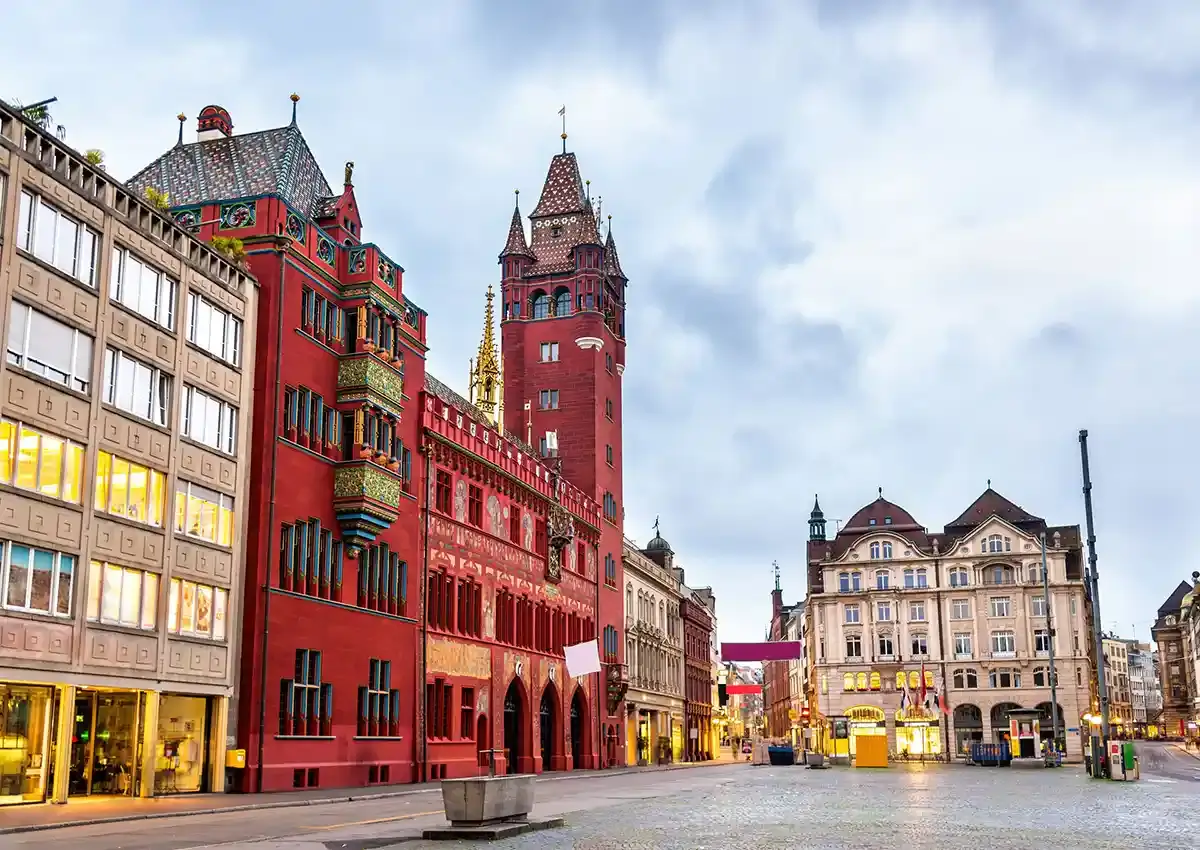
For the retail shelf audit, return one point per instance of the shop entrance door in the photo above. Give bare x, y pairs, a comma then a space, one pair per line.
24, 743
104, 743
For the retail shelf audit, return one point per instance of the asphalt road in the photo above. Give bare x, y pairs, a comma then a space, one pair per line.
1166, 763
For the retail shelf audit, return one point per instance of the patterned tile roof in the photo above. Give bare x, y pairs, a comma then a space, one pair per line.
269, 162
516, 246
563, 190
612, 262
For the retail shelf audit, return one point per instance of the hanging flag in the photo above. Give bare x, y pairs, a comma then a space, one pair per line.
904, 696
563, 111
942, 700
923, 693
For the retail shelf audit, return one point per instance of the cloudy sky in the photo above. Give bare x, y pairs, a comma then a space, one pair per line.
914, 246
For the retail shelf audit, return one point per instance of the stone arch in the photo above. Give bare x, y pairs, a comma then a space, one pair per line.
562, 301
518, 726
539, 304
550, 728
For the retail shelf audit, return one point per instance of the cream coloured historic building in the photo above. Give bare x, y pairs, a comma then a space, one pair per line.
888, 600
654, 654
124, 439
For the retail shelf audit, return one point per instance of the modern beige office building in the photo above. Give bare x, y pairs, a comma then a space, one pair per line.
125, 402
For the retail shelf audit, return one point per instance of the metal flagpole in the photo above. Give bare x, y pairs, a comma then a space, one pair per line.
1050, 631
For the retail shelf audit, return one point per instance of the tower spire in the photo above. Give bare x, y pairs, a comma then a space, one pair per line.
775, 565
295, 100
516, 244
486, 380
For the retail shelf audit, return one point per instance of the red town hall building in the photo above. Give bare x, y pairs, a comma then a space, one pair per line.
401, 534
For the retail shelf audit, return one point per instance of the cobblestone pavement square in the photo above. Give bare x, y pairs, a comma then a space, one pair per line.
908, 808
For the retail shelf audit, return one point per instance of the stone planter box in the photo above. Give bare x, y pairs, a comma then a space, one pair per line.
481, 800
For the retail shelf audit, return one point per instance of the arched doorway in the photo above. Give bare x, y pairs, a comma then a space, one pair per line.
550, 727
999, 718
481, 740
968, 727
1047, 724
610, 738
514, 725
579, 726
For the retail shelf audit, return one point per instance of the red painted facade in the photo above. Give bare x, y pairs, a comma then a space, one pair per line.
698, 677
501, 604
330, 641
384, 633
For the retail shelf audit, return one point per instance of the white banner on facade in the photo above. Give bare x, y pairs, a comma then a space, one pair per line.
583, 658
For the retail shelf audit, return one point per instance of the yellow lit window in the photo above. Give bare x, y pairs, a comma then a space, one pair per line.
848, 682
43, 463
204, 513
860, 681
122, 596
914, 679
27, 459
103, 476
50, 468
8, 433
929, 678
900, 681
127, 489
876, 682
196, 610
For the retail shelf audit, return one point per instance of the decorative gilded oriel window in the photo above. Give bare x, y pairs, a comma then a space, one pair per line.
130, 490
196, 610
122, 596
203, 513
34, 460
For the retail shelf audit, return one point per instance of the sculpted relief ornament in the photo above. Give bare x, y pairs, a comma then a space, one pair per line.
460, 500
560, 529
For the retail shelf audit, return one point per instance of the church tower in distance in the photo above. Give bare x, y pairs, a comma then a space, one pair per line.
563, 349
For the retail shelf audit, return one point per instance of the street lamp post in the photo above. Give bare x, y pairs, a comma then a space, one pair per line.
1093, 579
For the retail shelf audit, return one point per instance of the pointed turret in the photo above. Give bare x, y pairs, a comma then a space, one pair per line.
612, 262
562, 193
816, 521
589, 233
516, 246
486, 379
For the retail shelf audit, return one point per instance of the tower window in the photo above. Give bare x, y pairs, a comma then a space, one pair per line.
562, 302
608, 408
549, 352
608, 363
608, 455
548, 399
541, 305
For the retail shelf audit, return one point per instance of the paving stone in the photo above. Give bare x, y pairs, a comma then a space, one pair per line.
909, 807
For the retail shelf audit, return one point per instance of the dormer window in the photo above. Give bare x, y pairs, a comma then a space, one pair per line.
871, 521
556, 231
995, 543
887, 520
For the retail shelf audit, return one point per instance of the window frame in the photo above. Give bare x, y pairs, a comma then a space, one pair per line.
53, 592
117, 286
149, 585
230, 350
218, 611
72, 471
226, 516
227, 420
104, 488
76, 379
29, 225
161, 387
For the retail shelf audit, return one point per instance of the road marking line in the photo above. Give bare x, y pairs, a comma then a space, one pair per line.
409, 816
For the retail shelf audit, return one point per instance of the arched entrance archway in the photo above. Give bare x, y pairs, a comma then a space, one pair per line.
999, 718
550, 726
968, 727
514, 725
1047, 724
580, 746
